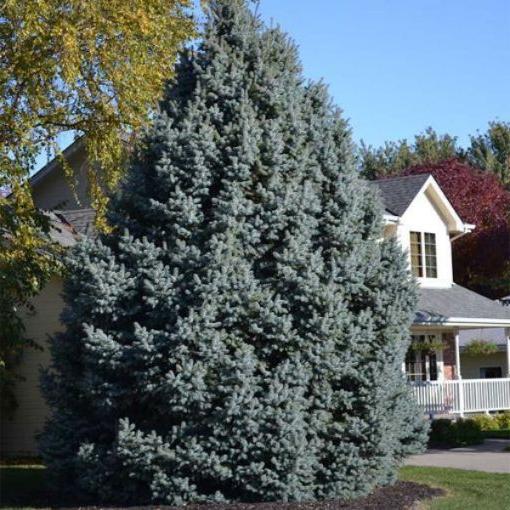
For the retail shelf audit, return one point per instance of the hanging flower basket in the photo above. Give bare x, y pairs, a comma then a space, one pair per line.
480, 347
437, 345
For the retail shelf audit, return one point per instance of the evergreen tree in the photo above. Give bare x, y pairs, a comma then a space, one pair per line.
240, 334
393, 158
490, 151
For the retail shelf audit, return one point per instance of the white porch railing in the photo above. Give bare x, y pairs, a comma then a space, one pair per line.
462, 396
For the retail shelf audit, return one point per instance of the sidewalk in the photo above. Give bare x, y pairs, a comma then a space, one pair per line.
488, 457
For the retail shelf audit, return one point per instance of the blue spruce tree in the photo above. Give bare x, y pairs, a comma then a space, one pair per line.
240, 334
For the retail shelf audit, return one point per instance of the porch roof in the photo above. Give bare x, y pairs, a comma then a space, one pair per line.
457, 306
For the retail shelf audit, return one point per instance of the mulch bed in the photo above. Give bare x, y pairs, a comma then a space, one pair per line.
401, 496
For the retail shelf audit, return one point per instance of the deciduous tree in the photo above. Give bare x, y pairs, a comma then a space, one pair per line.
95, 68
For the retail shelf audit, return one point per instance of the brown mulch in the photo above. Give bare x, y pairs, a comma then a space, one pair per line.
401, 496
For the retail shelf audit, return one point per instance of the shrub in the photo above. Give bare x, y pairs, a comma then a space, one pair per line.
498, 421
468, 432
486, 422
442, 433
445, 433
503, 420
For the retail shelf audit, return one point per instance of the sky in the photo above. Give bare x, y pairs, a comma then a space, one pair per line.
398, 66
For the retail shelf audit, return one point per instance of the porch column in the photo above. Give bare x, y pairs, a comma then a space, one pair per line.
507, 334
458, 374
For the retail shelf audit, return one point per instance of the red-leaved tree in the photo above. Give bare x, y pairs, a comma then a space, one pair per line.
481, 260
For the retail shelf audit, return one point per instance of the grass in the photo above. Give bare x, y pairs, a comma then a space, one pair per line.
467, 490
24, 487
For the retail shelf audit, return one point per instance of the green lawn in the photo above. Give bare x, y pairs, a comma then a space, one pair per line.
24, 487
467, 490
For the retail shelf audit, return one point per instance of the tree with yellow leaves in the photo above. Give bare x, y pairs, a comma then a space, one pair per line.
94, 68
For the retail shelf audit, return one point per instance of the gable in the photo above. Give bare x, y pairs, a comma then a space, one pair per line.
398, 194
424, 215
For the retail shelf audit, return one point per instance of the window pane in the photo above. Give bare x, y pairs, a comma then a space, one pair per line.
491, 372
433, 366
415, 361
430, 255
416, 254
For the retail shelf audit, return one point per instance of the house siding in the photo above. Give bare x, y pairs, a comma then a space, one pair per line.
470, 365
449, 356
18, 434
423, 216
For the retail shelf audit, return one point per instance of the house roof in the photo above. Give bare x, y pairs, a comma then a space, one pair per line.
54, 164
397, 193
458, 306
61, 231
81, 219
493, 335
66, 227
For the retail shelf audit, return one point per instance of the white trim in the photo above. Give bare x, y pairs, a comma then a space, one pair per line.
468, 227
507, 334
458, 373
440, 360
465, 322
455, 225
389, 218
423, 256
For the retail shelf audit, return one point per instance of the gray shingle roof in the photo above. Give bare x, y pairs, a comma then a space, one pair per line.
81, 219
437, 305
61, 232
67, 226
397, 193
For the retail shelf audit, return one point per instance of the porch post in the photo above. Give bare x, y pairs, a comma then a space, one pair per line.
507, 334
458, 374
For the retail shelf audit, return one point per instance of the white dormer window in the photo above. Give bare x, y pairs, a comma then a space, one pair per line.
423, 255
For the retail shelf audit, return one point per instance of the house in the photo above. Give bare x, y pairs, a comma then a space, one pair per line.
417, 213
70, 217
420, 216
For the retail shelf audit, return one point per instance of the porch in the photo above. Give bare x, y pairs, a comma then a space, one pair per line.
445, 375
462, 396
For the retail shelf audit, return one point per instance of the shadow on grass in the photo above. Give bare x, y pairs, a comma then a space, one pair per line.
23, 486
26, 487
496, 434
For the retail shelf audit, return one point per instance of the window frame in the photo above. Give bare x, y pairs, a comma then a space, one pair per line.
423, 246
430, 363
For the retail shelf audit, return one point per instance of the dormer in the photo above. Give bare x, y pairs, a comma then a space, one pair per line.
420, 216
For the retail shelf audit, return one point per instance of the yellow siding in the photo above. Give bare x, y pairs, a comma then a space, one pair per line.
17, 436
55, 192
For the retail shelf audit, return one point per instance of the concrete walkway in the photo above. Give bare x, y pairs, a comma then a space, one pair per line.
488, 457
